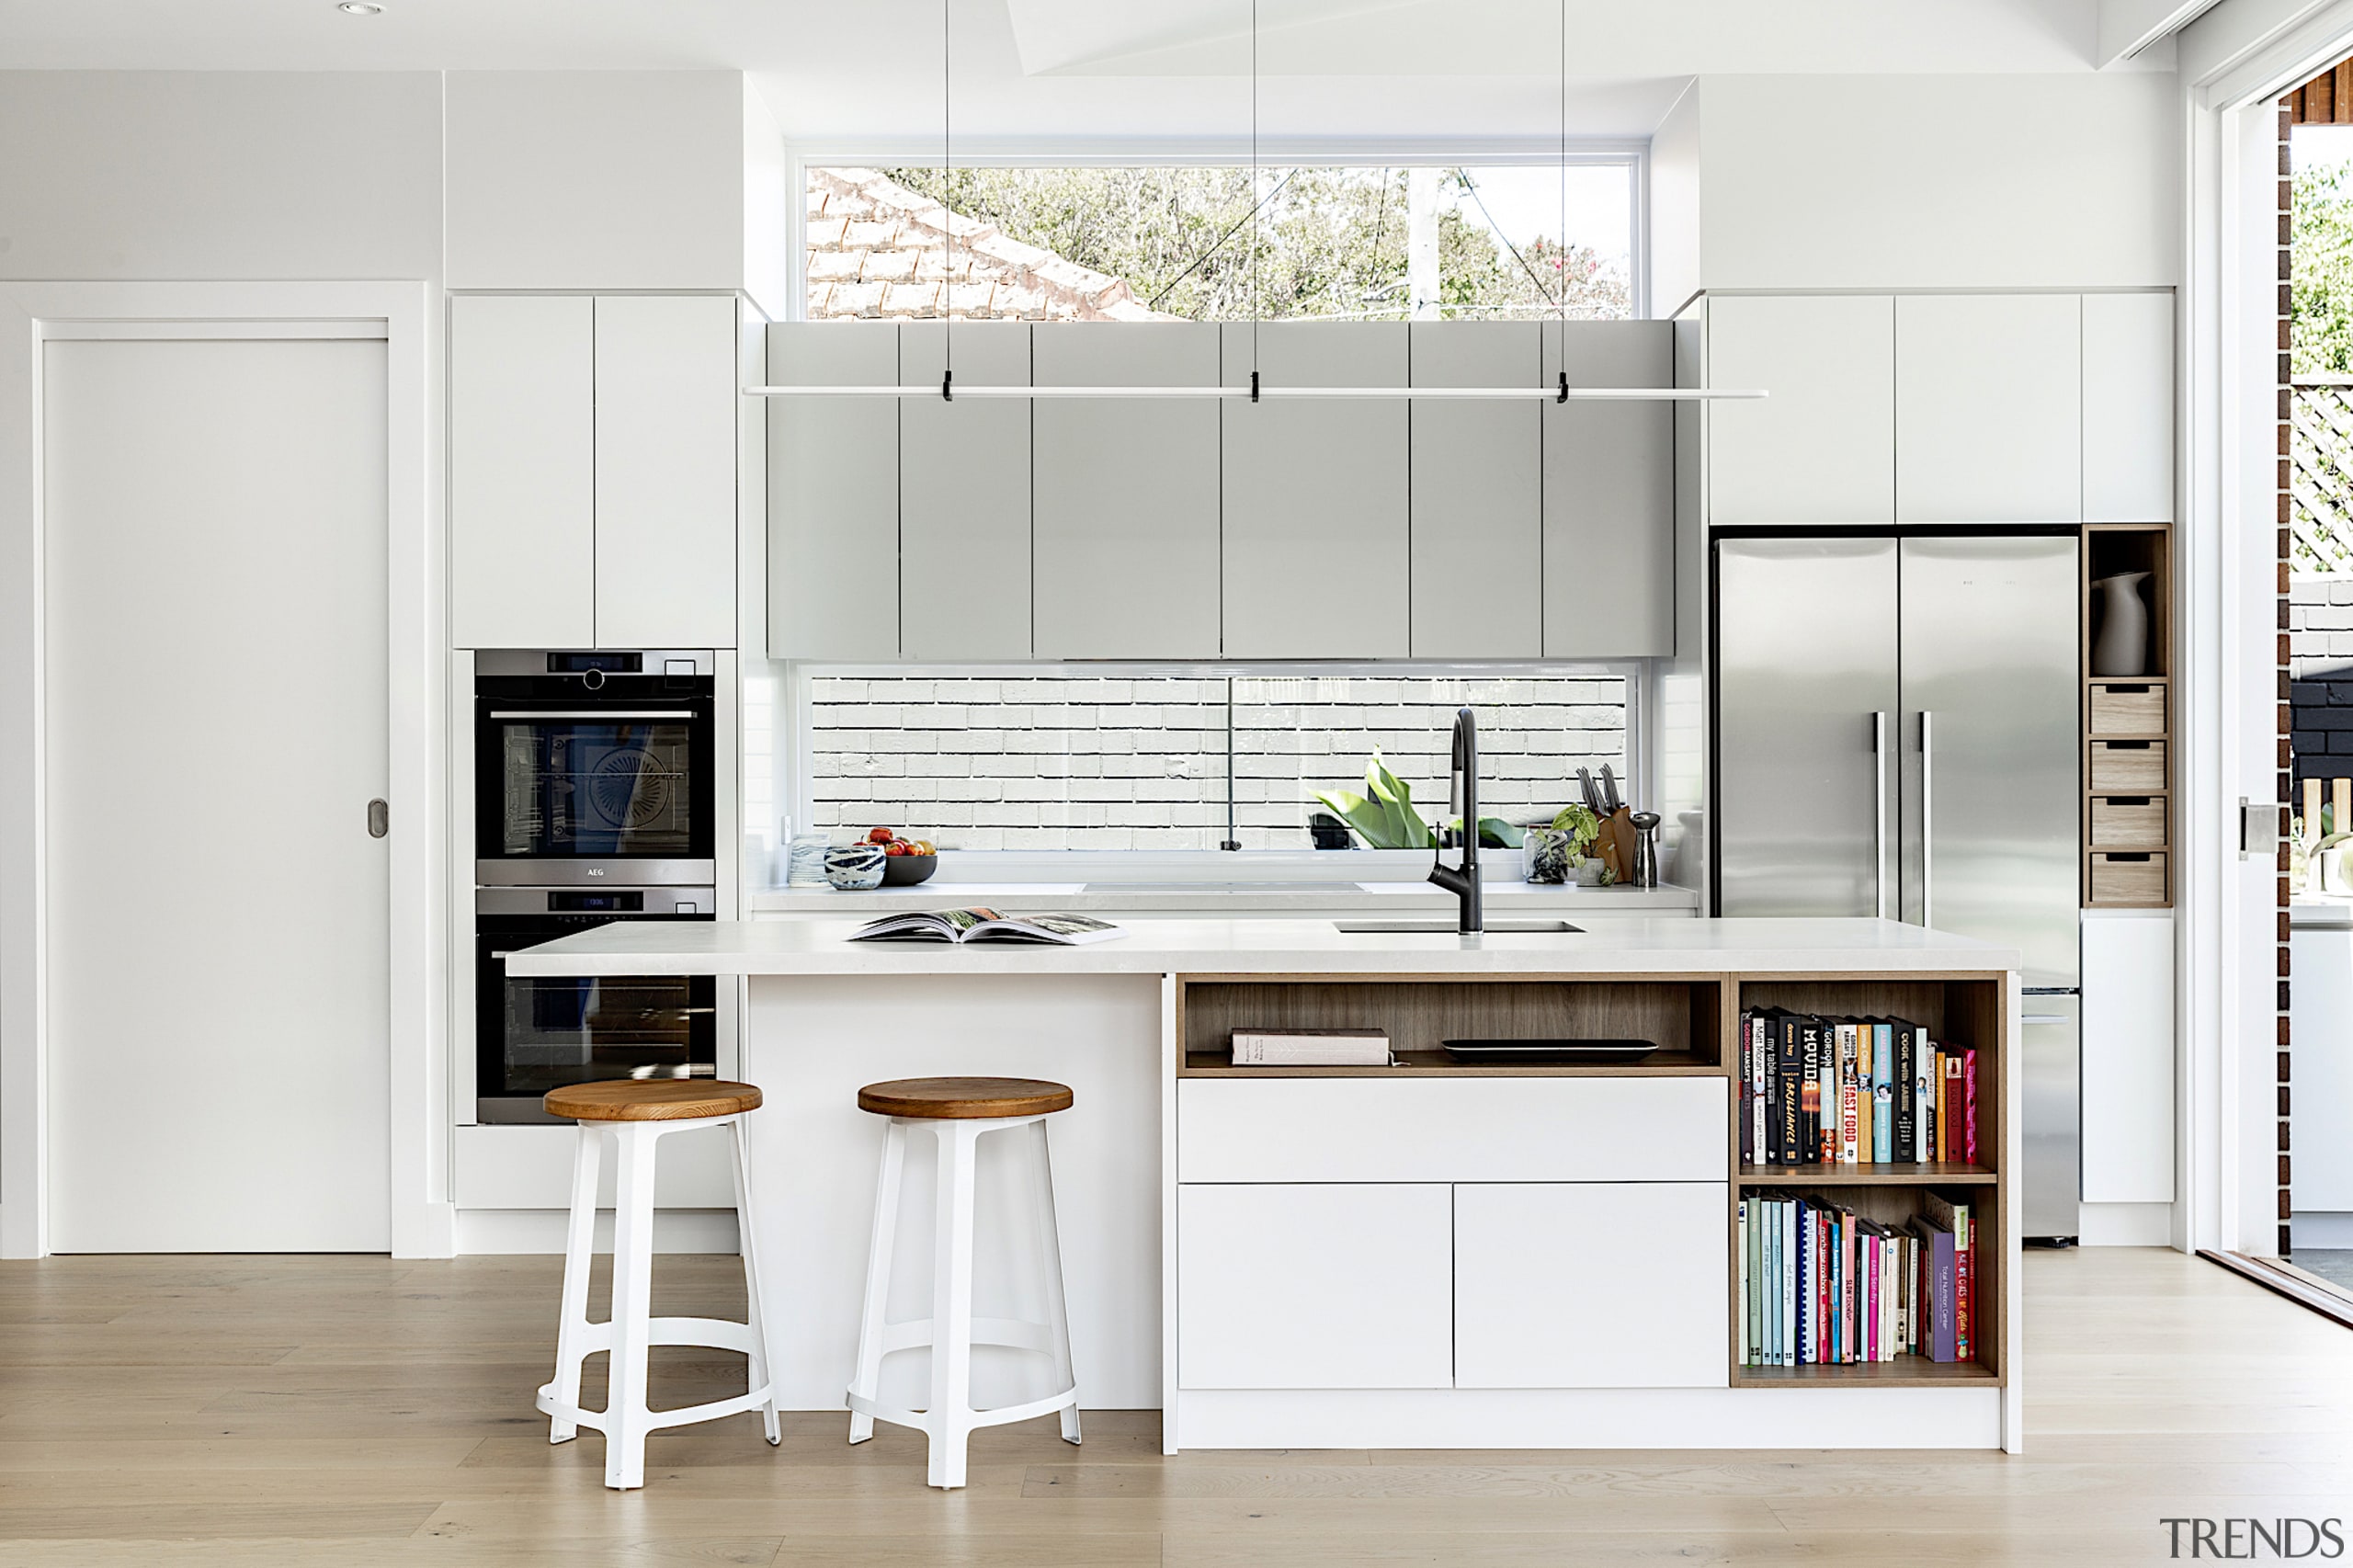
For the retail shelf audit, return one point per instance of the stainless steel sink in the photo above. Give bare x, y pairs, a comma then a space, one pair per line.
1446, 925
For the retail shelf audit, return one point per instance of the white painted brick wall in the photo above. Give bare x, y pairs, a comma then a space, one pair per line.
1085, 762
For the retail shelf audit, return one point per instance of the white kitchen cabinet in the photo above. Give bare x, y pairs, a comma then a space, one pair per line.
1317, 559
1610, 494
832, 493
2128, 1056
1125, 524
2128, 408
1478, 493
1590, 1285
522, 471
666, 392
1316, 1287
1820, 450
965, 559
1988, 408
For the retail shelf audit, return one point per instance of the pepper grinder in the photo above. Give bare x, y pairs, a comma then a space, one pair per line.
1645, 849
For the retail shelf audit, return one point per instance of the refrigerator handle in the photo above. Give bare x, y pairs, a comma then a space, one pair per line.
1879, 815
1928, 824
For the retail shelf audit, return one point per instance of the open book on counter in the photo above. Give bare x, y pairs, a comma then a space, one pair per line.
978, 924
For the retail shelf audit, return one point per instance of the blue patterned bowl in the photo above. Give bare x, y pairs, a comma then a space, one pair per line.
856, 868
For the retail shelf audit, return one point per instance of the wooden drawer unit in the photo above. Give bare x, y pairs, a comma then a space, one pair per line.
1371, 1130
2129, 708
2124, 765
2129, 878
2129, 822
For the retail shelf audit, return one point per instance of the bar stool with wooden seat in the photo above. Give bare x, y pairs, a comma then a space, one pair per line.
958, 1112
636, 1113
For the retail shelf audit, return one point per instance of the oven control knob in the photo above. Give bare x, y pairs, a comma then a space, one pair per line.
592, 679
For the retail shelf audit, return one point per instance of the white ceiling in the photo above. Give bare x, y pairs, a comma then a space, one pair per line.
1101, 72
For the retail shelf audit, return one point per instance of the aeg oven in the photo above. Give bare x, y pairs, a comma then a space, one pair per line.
534, 1035
594, 769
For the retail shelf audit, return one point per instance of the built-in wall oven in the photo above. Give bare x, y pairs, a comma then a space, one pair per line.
533, 1034
595, 768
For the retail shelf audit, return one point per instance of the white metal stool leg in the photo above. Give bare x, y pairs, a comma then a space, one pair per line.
867, 1380
949, 1420
1049, 1246
625, 1412
579, 1256
951, 1331
757, 1377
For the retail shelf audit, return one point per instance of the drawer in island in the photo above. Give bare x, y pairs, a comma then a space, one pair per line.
1423, 1128
1518, 1285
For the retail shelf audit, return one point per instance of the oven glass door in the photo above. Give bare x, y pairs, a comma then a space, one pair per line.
572, 784
537, 1034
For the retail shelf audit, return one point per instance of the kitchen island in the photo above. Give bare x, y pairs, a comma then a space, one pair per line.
1428, 1255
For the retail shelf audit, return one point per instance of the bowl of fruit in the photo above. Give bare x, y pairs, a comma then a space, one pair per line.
906, 861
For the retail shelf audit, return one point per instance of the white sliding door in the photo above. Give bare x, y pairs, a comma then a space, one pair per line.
215, 591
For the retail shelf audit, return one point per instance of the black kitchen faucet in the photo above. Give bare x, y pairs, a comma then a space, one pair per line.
1462, 803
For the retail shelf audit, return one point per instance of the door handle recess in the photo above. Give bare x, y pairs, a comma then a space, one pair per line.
1879, 815
379, 819
1928, 824
2043, 1018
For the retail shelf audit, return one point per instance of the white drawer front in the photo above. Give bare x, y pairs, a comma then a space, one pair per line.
1589, 1285
1310, 1287
1341, 1130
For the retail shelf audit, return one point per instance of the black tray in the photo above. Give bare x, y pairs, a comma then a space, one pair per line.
1620, 1050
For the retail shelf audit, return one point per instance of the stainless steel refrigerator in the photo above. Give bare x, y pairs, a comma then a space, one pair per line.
1897, 732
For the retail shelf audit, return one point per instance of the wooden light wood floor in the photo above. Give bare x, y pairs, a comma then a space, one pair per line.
258, 1412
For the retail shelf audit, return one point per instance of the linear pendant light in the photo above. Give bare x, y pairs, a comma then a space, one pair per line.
1256, 390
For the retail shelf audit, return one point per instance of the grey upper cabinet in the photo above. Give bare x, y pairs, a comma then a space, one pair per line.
964, 557
1477, 490
833, 469
1126, 494
1820, 448
522, 471
2128, 408
1317, 538
1610, 494
1988, 408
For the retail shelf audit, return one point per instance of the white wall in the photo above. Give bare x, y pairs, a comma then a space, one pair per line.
1928, 182
768, 209
220, 176
1675, 205
597, 180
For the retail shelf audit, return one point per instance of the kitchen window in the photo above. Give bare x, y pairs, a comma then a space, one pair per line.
1496, 241
1111, 760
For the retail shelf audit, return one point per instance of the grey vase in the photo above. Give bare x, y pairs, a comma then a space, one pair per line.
2122, 648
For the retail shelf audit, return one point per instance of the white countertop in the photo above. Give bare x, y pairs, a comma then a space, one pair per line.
1664, 945
1217, 898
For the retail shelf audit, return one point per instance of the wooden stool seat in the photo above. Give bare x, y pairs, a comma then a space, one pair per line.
964, 1099
652, 1099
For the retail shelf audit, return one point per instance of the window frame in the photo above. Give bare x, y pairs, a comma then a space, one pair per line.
1632, 153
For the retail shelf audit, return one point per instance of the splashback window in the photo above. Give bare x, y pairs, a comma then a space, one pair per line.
1141, 762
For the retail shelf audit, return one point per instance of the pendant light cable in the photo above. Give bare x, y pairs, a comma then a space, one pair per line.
1560, 242
946, 213
1257, 306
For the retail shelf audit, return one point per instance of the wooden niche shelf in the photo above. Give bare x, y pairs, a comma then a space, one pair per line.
2129, 755
1420, 1013
1967, 1012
